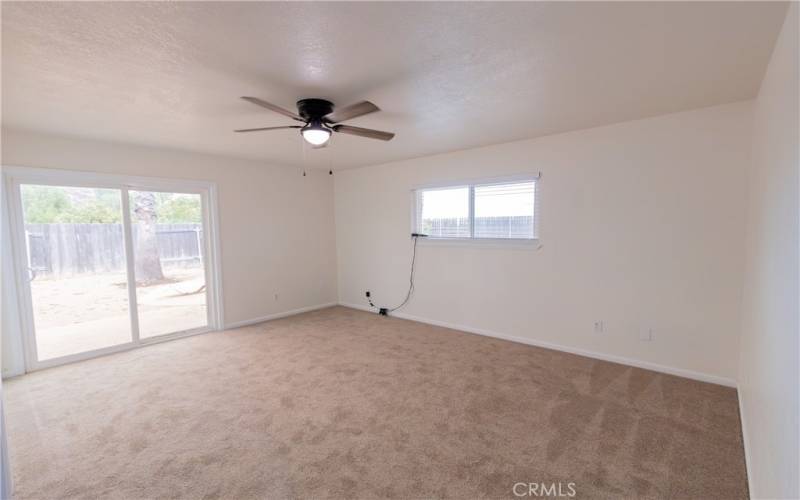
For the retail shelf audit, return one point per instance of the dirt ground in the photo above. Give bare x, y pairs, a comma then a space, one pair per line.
75, 314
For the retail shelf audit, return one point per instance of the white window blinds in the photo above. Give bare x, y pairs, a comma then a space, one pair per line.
497, 210
504, 210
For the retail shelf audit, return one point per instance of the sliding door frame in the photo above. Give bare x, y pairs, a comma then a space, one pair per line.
16, 176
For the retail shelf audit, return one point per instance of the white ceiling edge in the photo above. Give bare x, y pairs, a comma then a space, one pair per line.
532, 140
7, 134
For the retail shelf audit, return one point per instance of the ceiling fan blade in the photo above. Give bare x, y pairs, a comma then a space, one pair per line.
352, 111
266, 128
364, 132
272, 107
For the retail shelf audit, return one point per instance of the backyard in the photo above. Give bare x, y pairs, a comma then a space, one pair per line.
90, 311
77, 261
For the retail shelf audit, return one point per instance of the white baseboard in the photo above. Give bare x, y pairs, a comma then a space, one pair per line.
680, 372
253, 321
745, 442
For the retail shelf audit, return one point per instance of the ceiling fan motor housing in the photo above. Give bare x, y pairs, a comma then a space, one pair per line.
314, 109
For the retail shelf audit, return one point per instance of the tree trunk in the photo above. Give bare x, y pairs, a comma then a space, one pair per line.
147, 262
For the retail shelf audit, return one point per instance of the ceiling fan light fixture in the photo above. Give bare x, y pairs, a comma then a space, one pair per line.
316, 134
320, 120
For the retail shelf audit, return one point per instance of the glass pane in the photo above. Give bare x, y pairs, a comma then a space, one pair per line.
76, 263
443, 213
505, 210
168, 260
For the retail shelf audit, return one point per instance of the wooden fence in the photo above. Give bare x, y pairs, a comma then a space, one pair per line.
70, 249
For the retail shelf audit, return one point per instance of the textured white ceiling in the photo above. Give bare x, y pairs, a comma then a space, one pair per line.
447, 75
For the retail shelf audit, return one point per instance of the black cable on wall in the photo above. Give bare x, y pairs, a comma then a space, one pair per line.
384, 311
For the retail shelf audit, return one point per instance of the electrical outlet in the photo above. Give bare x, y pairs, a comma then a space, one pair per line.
276, 297
646, 334
368, 294
599, 327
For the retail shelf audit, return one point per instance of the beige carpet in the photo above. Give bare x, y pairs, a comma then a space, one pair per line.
340, 403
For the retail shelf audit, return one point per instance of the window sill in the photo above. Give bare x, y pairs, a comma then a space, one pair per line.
522, 244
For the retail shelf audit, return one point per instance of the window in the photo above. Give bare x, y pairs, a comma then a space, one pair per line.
488, 211
444, 213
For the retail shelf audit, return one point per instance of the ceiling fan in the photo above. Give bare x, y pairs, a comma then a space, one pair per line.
321, 119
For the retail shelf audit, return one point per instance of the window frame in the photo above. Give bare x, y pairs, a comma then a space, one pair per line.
471, 184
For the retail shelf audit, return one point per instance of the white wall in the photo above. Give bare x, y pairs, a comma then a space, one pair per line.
768, 375
641, 226
276, 226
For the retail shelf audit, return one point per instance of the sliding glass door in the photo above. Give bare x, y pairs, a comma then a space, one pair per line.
170, 271
75, 265
105, 267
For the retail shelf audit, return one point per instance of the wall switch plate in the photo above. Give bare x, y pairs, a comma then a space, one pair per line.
599, 327
646, 334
